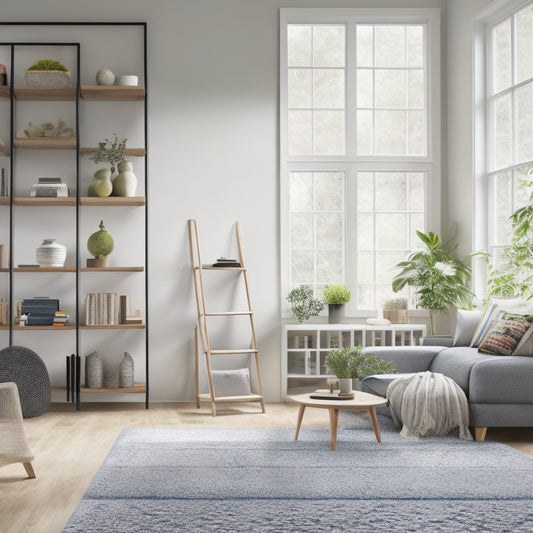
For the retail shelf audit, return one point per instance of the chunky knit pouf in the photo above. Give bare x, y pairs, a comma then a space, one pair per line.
428, 404
25, 368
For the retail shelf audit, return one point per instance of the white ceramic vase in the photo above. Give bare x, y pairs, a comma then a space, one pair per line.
125, 184
50, 254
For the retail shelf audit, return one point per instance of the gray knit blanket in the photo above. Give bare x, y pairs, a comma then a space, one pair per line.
428, 404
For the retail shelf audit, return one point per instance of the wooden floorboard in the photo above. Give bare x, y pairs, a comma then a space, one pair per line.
70, 446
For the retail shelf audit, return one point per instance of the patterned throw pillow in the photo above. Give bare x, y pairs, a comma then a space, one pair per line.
505, 334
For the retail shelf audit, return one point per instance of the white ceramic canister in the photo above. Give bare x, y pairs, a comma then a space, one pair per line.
51, 254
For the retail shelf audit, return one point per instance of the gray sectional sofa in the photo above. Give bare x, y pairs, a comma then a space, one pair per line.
499, 388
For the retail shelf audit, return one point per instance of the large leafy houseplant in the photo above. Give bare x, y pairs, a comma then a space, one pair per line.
513, 275
440, 280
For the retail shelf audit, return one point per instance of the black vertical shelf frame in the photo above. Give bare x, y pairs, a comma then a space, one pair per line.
73, 361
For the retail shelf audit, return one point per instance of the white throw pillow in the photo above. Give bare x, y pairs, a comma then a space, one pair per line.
231, 382
465, 326
525, 346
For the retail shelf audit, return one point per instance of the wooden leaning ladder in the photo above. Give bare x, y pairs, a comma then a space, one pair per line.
201, 334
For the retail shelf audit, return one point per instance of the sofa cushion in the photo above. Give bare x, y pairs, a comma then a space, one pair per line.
457, 362
408, 359
465, 326
502, 380
379, 383
495, 308
505, 335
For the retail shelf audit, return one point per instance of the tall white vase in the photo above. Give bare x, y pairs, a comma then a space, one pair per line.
125, 184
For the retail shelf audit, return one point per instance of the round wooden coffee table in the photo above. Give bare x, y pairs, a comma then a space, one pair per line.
362, 401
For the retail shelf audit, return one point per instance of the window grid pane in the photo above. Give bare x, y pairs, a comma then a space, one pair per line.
390, 86
390, 210
316, 89
317, 228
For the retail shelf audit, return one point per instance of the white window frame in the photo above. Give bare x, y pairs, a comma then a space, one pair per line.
351, 163
487, 18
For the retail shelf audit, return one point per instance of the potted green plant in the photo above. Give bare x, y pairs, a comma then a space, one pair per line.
47, 73
513, 276
336, 296
395, 310
439, 278
303, 303
350, 363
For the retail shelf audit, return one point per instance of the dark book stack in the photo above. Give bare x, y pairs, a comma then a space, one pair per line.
39, 311
227, 263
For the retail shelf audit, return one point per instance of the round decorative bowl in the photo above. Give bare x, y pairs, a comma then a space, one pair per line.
127, 80
50, 254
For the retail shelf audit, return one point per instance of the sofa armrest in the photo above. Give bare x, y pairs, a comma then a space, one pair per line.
437, 340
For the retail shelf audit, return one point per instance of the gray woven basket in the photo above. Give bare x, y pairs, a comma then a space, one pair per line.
25, 368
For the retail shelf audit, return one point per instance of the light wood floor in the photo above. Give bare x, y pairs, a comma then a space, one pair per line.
70, 446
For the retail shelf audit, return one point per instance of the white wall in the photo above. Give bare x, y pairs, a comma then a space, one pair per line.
213, 145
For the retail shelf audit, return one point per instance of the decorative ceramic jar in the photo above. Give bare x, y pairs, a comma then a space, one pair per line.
125, 375
101, 184
125, 184
51, 254
105, 77
94, 371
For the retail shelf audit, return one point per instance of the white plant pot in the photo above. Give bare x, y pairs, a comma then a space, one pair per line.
345, 385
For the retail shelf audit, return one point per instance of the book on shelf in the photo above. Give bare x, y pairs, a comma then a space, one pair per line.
39, 311
4, 312
101, 309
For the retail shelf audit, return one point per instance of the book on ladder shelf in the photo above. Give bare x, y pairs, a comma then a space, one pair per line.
225, 385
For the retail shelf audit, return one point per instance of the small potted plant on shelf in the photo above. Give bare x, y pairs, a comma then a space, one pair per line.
395, 310
47, 74
349, 364
336, 296
303, 303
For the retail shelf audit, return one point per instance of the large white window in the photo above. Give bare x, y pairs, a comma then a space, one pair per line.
504, 124
359, 133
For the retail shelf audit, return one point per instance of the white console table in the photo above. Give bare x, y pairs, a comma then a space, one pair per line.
305, 346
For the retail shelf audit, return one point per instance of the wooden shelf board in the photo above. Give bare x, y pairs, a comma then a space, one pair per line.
4, 269
115, 201
112, 93
45, 201
55, 328
112, 269
46, 93
2, 326
4, 200
46, 143
135, 152
45, 269
138, 388
116, 326
5, 91
246, 398
221, 268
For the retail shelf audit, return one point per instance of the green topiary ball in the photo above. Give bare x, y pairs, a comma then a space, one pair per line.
48, 64
100, 243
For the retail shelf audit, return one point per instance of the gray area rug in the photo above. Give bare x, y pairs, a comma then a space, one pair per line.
248, 480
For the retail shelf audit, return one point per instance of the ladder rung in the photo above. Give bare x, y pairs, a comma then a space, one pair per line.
223, 352
230, 313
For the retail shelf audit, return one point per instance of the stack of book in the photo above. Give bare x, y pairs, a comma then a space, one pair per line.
38, 311
49, 187
61, 319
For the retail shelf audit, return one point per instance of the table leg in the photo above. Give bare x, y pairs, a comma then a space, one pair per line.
299, 421
333, 422
375, 425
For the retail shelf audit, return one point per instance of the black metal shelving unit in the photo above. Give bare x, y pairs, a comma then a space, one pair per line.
73, 361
